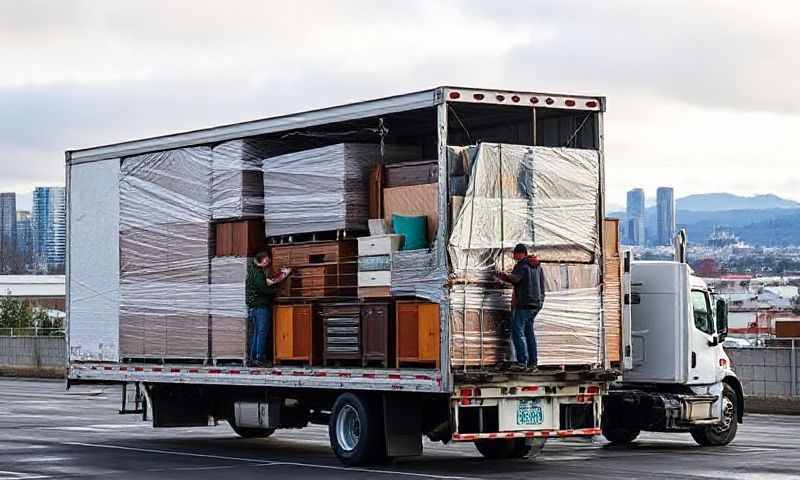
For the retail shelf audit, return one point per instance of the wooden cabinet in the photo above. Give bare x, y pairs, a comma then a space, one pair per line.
417, 333
297, 335
375, 334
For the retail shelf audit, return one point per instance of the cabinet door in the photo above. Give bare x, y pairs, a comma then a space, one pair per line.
301, 327
407, 331
373, 330
429, 332
284, 346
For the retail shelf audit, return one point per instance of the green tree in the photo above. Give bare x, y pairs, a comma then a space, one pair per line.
14, 314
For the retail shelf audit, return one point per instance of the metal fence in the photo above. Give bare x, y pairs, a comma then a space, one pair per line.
31, 332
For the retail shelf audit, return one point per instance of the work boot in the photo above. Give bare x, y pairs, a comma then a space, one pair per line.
517, 367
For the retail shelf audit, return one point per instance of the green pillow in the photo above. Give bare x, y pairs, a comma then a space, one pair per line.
414, 230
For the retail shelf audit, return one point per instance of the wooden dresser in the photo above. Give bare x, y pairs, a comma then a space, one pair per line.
375, 334
323, 269
417, 333
297, 335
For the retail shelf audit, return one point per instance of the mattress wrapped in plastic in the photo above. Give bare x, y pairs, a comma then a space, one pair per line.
567, 328
414, 274
322, 189
228, 308
237, 179
546, 198
165, 241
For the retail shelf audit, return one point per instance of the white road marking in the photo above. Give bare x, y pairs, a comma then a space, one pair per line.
5, 475
268, 463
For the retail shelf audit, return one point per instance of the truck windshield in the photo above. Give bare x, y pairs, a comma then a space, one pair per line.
702, 312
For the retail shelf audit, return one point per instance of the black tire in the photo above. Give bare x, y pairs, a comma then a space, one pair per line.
503, 449
356, 430
246, 432
620, 435
724, 432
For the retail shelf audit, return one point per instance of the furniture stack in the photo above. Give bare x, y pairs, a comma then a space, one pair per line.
165, 244
237, 180
375, 264
322, 189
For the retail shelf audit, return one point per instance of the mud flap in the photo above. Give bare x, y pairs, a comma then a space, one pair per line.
402, 424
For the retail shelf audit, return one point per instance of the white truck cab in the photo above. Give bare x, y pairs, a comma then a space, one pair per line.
679, 378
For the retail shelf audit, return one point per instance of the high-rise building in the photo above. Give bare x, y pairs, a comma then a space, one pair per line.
665, 205
24, 238
635, 214
8, 230
49, 219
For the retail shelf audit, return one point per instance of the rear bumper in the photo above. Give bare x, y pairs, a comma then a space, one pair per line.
471, 437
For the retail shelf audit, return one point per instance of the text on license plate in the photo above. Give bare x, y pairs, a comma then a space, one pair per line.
529, 412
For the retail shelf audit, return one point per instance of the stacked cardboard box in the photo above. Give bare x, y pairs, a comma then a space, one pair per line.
165, 244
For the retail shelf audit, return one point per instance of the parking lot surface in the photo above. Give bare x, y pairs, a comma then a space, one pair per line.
47, 432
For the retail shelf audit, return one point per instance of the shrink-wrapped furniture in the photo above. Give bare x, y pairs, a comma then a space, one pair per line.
228, 308
237, 179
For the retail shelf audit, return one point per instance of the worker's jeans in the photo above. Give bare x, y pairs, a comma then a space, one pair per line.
523, 337
260, 319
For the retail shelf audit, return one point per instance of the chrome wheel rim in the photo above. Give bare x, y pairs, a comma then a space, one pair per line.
348, 428
727, 416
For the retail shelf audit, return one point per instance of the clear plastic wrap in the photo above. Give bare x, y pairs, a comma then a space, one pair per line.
228, 308
567, 328
322, 189
414, 274
165, 243
237, 179
546, 198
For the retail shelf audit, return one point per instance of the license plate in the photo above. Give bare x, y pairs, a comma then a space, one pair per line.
529, 412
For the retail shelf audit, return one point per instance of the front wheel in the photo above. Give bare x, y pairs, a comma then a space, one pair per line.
723, 432
355, 430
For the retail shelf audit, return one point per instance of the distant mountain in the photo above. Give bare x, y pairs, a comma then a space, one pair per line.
714, 202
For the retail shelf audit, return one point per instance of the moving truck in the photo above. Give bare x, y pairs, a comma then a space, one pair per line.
418, 349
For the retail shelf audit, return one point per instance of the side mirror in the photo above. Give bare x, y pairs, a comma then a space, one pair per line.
722, 318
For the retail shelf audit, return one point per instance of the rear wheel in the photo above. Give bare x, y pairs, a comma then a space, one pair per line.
620, 435
245, 432
510, 448
355, 430
725, 431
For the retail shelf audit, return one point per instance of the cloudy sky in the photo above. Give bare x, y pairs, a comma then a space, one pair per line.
702, 95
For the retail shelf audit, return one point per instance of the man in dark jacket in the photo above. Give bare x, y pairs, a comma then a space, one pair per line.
260, 291
527, 300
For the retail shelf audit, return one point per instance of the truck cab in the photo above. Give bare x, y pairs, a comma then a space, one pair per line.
679, 378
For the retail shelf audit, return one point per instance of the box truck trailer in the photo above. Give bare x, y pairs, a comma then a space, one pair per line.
380, 343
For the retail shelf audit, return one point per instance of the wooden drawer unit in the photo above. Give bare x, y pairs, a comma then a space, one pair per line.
297, 335
375, 334
379, 244
342, 330
374, 279
417, 333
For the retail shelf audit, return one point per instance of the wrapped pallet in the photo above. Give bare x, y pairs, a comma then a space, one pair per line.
228, 308
414, 274
567, 328
237, 179
165, 242
322, 189
546, 198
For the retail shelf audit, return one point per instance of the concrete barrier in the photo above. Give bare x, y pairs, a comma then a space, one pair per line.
33, 356
770, 378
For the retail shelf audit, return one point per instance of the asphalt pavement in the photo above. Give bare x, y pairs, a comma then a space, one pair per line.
47, 432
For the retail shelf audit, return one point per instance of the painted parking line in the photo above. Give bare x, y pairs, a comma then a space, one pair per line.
270, 463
